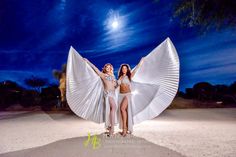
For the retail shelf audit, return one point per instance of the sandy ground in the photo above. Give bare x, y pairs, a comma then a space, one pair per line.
180, 132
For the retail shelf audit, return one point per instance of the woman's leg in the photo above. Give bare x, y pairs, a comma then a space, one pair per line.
124, 115
112, 114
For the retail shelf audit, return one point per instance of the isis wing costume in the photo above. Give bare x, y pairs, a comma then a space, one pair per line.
84, 89
153, 86
160, 69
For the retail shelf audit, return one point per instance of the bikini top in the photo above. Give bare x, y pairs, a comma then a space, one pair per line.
109, 77
124, 80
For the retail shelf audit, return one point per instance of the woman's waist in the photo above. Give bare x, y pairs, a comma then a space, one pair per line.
109, 89
125, 89
128, 93
109, 92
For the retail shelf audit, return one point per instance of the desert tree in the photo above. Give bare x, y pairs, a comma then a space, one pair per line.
36, 83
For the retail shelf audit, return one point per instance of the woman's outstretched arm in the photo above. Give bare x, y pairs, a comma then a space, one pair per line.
95, 68
135, 69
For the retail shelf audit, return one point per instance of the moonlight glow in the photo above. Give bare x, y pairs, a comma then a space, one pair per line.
115, 24
114, 21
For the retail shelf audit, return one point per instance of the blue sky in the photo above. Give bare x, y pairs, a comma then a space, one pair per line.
35, 37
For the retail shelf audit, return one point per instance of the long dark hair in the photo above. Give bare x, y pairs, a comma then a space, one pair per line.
120, 73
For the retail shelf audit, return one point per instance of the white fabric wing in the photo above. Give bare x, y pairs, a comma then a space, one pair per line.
160, 72
84, 89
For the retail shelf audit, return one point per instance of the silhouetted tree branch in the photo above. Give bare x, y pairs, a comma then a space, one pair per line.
206, 14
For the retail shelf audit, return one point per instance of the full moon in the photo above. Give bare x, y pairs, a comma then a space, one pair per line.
115, 24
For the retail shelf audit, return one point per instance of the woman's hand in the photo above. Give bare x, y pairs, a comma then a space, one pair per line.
139, 64
141, 61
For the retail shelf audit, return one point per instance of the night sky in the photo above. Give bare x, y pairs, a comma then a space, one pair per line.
35, 37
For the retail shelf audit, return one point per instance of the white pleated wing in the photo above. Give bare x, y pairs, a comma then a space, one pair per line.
84, 89
160, 68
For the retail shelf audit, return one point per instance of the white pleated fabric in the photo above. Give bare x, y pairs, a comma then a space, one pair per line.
160, 69
140, 98
84, 89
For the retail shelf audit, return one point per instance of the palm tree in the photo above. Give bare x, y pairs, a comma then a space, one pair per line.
57, 73
61, 76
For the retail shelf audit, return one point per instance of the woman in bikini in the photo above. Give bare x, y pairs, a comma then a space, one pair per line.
124, 99
109, 82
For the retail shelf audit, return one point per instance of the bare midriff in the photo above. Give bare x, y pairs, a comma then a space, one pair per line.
124, 88
109, 85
